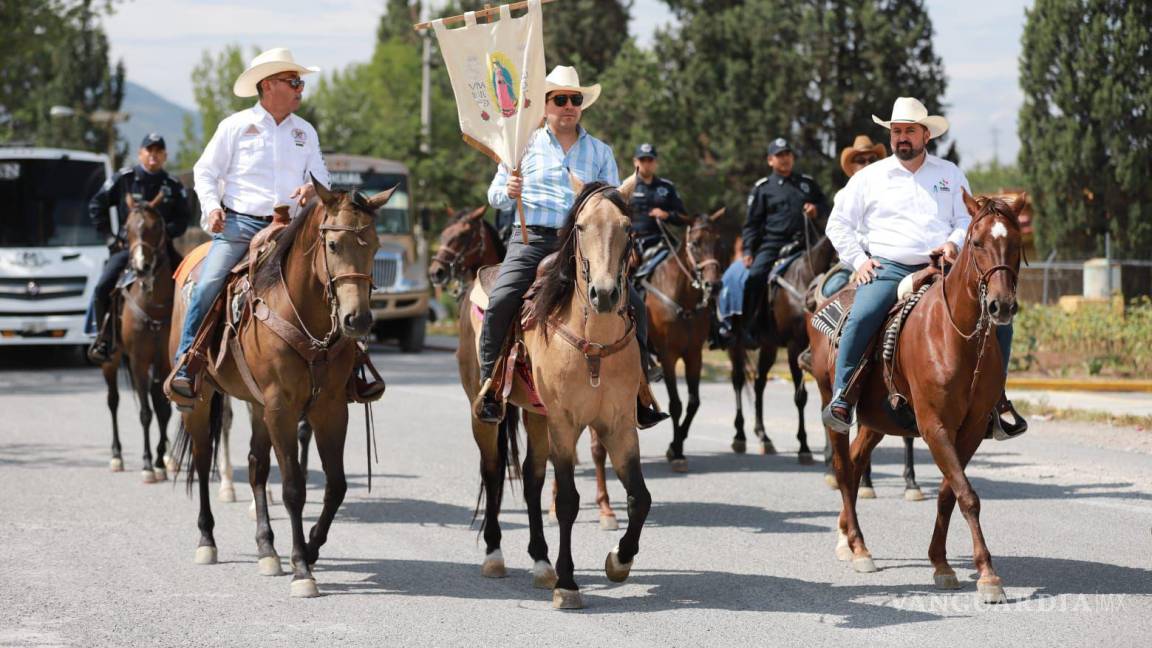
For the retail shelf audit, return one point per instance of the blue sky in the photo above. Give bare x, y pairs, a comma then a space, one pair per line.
161, 40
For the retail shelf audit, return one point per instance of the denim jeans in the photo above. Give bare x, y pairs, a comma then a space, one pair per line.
228, 248
870, 309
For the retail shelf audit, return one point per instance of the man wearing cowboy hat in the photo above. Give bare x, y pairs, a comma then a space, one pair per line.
558, 148
862, 153
258, 159
905, 208
780, 207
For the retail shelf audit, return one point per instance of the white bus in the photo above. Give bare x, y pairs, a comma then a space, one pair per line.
50, 254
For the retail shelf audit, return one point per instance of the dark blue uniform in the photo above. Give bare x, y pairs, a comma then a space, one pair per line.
659, 193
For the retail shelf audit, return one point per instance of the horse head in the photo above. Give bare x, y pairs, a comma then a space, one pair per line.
701, 241
348, 244
601, 241
146, 236
461, 246
993, 246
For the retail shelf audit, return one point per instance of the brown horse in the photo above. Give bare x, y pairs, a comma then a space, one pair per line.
293, 360
466, 245
145, 320
679, 300
949, 365
586, 370
783, 328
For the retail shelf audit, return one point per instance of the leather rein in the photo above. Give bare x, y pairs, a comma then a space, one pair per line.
695, 276
455, 260
159, 254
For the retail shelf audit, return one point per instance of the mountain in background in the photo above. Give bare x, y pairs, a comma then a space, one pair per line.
151, 113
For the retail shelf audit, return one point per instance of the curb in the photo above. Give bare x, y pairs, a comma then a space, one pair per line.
1059, 384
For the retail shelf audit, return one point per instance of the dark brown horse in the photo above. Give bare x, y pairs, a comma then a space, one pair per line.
784, 327
295, 355
949, 367
680, 294
145, 320
467, 244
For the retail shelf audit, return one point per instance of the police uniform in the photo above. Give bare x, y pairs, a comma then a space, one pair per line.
775, 219
143, 187
659, 193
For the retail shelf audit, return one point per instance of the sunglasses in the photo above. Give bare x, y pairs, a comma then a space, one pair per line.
293, 82
562, 100
865, 159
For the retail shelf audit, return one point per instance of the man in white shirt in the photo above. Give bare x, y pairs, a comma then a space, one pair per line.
258, 159
904, 208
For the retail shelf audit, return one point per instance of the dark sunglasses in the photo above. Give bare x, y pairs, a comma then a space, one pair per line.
293, 82
562, 100
864, 159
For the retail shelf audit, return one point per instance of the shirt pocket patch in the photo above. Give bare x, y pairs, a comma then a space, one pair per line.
250, 152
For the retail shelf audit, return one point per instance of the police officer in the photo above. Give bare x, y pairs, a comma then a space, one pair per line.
779, 207
655, 199
143, 182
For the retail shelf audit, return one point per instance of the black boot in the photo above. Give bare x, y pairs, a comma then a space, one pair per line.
101, 349
647, 417
487, 408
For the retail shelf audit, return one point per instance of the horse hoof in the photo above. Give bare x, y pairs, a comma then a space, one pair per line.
946, 580
543, 575
616, 571
913, 494
739, 446
493, 566
305, 588
205, 555
269, 566
227, 493
866, 492
147, 476
766, 448
843, 550
805, 459
566, 599
669, 455
991, 591
117, 465
251, 510
609, 523
170, 465
679, 465
160, 474
863, 565
830, 480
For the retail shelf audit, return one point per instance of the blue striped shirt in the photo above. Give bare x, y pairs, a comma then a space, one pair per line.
547, 193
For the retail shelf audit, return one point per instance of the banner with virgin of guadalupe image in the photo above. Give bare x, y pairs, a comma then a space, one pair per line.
497, 73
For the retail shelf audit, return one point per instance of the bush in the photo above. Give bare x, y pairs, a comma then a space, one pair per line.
1096, 338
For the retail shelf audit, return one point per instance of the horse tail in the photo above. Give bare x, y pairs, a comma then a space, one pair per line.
183, 455
508, 449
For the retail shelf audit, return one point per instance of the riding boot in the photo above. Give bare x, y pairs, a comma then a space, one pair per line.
101, 349
647, 416
1002, 429
487, 407
837, 415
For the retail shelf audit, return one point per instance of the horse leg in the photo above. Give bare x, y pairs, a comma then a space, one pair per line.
109, 370
202, 427
163, 408
736, 359
140, 382
675, 452
848, 463
282, 424
304, 437
912, 491
800, 398
534, 470
330, 420
764, 362
865, 490
599, 455
829, 472
955, 488
562, 437
693, 363
259, 464
227, 492
624, 448
489, 439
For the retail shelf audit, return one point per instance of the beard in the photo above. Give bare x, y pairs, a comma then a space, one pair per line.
907, 151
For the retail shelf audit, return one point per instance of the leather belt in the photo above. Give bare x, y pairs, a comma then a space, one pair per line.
266, 219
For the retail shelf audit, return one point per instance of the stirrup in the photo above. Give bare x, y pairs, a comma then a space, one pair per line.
365, 385
1002, 430
100, 351
184, 401
834, 422
488, 407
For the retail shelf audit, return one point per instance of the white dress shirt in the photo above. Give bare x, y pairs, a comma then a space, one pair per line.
902, 216
252, 164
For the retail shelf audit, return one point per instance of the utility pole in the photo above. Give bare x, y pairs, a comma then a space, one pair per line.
426, 85
995, 147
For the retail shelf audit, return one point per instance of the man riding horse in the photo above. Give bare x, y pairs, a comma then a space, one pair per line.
906, 209
262, 158
654, 200
558, 150
141, 183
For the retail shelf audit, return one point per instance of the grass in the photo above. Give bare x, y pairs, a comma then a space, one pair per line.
1043, 410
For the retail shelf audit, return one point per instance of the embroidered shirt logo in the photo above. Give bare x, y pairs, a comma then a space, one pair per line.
941, 186
299, 136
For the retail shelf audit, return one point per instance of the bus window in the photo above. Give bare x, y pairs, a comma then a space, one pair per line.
44, 202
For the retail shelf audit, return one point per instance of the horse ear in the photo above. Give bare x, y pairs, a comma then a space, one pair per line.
970, 203
476, 213
323, 193
380, 199
1021, 203
627, 187
577, 186
718, 214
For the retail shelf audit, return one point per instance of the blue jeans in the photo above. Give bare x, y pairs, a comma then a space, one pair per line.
228, 248
870, 309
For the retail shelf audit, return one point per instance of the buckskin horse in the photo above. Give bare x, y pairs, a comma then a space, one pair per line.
290, 355
948, 369
783, 325
585, 372
679, 297
145, 299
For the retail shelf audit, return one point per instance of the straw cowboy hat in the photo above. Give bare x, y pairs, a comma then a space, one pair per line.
273, 61
564, 77
909, 110
862, 146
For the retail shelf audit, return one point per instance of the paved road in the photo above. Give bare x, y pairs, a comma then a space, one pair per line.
739, 551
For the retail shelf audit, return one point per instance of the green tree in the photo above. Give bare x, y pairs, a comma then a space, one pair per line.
212, 80
1084, 126
994, 177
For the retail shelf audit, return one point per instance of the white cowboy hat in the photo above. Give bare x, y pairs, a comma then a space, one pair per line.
564, 77
273, 61
909, 110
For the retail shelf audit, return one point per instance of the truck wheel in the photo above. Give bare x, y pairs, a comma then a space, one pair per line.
412, 338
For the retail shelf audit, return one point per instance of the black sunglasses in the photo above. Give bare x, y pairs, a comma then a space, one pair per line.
293, 82
562, 100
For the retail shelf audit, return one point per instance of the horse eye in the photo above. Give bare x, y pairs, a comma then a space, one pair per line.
978, 244
579, 227
331, 246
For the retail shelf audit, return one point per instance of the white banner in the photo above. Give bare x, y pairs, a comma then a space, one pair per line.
497, 73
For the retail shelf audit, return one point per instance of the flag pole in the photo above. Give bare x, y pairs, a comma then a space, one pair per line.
483, 13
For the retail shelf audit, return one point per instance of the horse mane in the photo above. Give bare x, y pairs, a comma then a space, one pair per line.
559, 279
497, 242
269, 272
